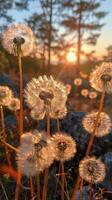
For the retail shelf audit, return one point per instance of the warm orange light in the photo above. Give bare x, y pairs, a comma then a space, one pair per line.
71, 57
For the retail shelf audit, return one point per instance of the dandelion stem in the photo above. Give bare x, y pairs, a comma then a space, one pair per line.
95, 125
90, 143
81, 190
68, 196
21, 91
31, 188
62, 181
38, 187
18, 186
4, 135
44, 195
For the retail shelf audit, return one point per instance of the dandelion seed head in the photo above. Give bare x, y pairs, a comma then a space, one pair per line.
14, 104
104, 123
18, 34
5, 95
101, 78
35, 153
92, 170
26, 160
93, 95
45, 153
65, 146
43, 92
84, 92
78, 81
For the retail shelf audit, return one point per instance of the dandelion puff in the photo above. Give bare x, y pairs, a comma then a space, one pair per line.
93, 95
59, 114
14, 104
101, 78
78, 81
104, 123
65, 146
92, 170
18, 34
45, 93
84, 92
26, 155
26, 160
5, 95
44, 151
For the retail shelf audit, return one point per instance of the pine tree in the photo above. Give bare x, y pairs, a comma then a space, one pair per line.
83, 19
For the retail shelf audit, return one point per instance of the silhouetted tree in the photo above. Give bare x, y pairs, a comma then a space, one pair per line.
83, 19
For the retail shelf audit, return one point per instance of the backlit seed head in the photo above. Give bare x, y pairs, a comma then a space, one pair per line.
104, 123
14, 104
5, 95
84, 92
45, 95
18, 35
93, 95
78, 81
64, 145
101, 78
92, 170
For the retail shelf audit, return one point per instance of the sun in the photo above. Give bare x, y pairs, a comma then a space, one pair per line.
70, 56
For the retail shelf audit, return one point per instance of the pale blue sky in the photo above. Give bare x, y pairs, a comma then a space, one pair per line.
106, 33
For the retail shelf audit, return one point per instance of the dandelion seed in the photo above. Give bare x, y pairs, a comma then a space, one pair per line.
5, 95
101, 78
46, 93
92, 170
104, 123
14, 104
18, 34
78, 81
65, 146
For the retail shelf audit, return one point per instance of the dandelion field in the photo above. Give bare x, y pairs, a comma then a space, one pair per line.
55, 138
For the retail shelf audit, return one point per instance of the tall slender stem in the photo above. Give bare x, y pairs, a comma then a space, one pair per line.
18, 186
67, 192
31, 188
19, 56
81, 190
4, 135
38, 187
90, 143
21, 93
95, 125
44, 195
62, 181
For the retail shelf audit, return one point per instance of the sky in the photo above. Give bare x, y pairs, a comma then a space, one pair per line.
105, 38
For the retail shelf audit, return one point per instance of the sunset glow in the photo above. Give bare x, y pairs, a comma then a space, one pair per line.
70, 56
